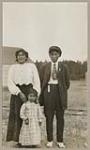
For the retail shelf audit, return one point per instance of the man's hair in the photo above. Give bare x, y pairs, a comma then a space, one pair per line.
55, 48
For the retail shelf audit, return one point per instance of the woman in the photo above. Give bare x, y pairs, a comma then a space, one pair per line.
22, 76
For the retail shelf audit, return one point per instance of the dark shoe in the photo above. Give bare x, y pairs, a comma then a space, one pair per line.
18, 145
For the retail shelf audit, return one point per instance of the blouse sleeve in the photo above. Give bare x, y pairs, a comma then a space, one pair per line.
11, 85
23, 112
36, 79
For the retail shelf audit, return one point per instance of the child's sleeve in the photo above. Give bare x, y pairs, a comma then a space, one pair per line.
40, 114
23, 112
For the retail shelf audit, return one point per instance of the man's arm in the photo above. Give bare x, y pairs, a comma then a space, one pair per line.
67, 77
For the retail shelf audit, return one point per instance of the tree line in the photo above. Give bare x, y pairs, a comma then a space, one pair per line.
77, 69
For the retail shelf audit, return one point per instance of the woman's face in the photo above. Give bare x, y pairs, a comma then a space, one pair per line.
21, 58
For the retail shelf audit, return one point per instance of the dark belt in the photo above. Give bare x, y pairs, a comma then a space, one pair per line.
25, 85
25, 88
53, 84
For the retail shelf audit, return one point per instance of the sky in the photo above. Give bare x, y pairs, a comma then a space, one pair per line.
37, 26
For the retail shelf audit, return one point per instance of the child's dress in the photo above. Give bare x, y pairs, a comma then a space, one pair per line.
30, 134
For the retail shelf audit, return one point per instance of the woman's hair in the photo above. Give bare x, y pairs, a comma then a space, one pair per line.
23, 51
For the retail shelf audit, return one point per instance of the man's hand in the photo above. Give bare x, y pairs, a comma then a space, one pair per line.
23, 97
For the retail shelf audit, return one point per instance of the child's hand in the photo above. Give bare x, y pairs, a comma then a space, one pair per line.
26, 121
40, 123
42, 109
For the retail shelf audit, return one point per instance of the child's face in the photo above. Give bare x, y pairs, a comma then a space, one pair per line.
54, 56
31, 97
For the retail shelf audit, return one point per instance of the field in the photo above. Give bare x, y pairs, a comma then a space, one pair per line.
75, 133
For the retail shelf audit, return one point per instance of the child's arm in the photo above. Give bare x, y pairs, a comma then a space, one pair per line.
40, 115
23, 112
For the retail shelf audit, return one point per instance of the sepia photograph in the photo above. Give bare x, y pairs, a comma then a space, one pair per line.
44, 75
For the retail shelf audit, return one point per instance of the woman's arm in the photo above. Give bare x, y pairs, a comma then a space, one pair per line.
11, 85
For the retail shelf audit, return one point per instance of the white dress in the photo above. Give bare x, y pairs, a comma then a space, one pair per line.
30, 134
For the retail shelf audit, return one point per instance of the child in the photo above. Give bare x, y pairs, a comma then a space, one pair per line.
31, 115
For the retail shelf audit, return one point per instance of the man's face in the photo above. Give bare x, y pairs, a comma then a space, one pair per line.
54, 55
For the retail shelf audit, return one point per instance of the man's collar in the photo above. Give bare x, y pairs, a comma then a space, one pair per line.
55, 62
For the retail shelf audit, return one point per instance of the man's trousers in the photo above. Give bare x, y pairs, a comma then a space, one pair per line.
52, 105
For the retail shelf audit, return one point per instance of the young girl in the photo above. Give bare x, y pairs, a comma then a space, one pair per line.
31, 115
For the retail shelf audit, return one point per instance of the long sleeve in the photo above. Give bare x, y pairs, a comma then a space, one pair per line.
40, 115
23, 112
36, 80
67, 77
11, 85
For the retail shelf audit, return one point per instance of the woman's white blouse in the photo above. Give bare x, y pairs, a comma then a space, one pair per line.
23, 74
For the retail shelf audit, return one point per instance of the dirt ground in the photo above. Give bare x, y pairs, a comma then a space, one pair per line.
75, 131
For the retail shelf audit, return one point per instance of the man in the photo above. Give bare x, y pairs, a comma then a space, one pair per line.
54, 84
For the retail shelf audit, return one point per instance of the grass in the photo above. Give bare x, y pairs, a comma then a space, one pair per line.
75, 131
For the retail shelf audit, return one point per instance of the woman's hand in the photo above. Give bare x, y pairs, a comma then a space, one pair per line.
23, 97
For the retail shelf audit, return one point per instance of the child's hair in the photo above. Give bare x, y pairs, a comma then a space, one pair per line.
32, 90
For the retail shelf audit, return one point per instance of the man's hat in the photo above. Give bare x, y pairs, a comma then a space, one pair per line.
55, 48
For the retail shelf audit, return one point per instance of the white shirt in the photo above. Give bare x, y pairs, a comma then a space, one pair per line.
51, 81
23, 74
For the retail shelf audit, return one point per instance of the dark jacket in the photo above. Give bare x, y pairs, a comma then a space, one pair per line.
63, 81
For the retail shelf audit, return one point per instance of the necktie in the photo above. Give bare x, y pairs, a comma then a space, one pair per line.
54, 72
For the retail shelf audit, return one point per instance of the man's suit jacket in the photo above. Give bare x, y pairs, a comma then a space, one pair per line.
63, 82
